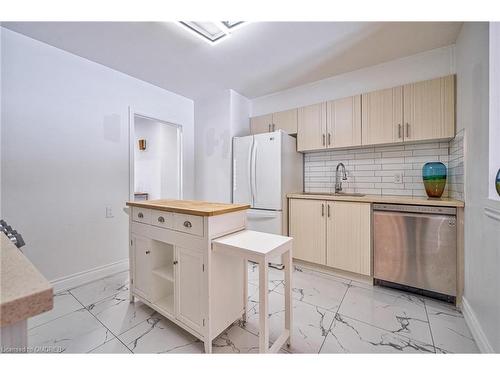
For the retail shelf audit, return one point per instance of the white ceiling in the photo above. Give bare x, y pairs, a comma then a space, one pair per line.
258, 59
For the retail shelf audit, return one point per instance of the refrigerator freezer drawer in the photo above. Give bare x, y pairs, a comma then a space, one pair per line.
265, 221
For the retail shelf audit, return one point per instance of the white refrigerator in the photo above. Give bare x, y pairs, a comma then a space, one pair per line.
266, 167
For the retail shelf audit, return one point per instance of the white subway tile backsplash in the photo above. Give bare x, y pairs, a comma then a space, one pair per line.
372, 170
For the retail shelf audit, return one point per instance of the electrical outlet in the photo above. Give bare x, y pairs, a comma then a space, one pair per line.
109, 212
398, 177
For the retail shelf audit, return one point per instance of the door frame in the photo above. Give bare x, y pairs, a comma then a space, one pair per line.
131, 135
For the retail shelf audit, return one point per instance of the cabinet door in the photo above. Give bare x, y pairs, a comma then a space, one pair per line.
286, 121
344, 122
261, 124
308, 229
429, 109
142, 272
382, 116
189, 275
311, 133
349, 236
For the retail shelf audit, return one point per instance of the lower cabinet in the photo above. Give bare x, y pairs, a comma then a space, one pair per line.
143, 277
348, 237
308, 229
188, 287
171, 278
332, 233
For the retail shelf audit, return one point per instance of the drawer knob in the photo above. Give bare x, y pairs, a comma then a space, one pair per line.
147, 252
175, 262
140, 215
161, 219
188, 224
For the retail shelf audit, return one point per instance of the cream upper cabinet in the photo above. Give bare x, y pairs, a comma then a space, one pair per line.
311, 133
286, 121
429, 109
308, 229
382, 116
261, 124
349, 236
344, 122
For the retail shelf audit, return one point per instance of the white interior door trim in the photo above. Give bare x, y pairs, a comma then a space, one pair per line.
131, 137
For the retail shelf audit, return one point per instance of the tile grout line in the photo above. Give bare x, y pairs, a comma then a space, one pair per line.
334, 317
69, 291
430, 328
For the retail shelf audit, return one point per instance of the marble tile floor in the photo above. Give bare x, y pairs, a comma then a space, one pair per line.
331, 315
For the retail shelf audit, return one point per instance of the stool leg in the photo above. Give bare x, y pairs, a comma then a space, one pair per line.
245, 290
263, 308
287, 261
208, 346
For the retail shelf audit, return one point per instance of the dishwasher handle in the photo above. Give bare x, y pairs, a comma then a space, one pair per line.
433, 210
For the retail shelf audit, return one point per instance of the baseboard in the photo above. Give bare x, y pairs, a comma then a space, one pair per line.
80, 278
475, 328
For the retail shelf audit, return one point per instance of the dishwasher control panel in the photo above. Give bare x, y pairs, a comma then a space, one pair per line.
415, 209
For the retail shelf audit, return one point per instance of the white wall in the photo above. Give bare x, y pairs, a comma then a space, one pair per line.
156, 169
482, 231
65, 153
218, 118
426, 65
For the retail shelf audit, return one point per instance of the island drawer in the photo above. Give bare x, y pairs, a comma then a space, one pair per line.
142, 215
162, 219
188, 224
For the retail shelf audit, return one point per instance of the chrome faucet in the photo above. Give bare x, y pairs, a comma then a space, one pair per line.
338, 183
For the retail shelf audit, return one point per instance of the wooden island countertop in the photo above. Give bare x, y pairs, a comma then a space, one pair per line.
198, 208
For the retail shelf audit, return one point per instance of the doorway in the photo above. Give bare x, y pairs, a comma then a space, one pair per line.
155, 159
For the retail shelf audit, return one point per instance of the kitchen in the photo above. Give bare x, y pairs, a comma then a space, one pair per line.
352, 210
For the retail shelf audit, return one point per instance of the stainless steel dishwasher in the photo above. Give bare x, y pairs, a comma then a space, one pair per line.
416, 247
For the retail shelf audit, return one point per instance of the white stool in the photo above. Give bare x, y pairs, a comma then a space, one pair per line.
261, 247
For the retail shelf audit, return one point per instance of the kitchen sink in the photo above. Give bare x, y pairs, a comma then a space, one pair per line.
338, 194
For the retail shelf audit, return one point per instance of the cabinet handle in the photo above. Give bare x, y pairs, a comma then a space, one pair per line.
322, 209
324, 138
407, 130
328, 210
140, 215
269, 128
329, 139
399, 131
161, 219
148, 252
175, 262
188, 224
274, 127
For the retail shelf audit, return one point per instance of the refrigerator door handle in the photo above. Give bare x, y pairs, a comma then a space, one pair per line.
250, 167
254, 168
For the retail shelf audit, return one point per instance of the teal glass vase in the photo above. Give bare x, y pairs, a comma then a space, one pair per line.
434, 176
497, 182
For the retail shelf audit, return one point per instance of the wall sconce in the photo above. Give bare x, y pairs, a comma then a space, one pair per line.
142, 144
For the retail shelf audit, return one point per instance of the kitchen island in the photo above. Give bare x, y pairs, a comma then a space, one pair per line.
174, 270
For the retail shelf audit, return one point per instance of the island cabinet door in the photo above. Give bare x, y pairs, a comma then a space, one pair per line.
142, 273
189, 276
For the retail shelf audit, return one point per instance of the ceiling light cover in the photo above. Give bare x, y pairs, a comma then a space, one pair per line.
211, 32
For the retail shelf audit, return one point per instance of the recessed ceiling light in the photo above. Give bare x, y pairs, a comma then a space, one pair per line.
211, 32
